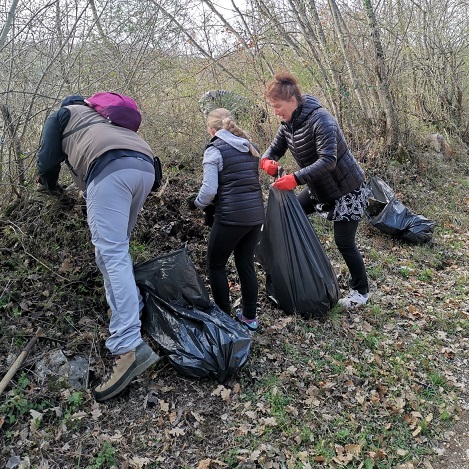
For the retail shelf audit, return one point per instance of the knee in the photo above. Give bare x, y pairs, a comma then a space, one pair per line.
345, 243
214, 268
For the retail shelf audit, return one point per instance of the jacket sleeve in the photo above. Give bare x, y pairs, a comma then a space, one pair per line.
50, 155
213, 164
325, 131
278, 147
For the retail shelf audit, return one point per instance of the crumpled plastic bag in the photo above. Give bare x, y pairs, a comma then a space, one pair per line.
300, 277
386, 213
198, 338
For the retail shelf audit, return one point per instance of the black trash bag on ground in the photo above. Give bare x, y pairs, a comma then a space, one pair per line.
390, 216
299, 275
199, 339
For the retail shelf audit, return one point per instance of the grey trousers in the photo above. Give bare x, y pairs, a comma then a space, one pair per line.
113, 204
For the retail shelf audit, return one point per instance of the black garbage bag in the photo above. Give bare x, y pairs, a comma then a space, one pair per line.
392, 217
299, 275
198, 338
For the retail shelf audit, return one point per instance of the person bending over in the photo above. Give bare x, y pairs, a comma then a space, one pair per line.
335, 182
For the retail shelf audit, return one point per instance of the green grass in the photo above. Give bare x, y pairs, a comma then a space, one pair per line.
105, 459
369, 377
19, 404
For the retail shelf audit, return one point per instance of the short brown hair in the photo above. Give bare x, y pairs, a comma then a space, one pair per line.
283, 86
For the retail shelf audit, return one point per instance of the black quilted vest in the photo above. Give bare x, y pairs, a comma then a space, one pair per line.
239, 197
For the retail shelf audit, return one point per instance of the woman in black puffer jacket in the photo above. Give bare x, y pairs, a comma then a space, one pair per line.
335, 182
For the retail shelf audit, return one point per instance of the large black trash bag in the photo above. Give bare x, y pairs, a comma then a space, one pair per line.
199, 339
390, 216
300, 277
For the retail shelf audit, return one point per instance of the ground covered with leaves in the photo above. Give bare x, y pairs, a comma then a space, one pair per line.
381, 387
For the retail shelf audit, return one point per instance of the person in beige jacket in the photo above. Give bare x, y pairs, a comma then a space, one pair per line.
114, 167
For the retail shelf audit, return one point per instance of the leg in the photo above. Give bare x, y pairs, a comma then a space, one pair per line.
113, 205
344, 236
244, 260
222, 241
305, 201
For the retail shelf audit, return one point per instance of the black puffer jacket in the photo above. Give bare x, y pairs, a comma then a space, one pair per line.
317, 143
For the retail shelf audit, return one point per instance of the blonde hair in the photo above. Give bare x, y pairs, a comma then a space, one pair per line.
221, 118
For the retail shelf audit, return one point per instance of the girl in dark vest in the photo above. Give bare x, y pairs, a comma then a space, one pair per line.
334, 181
231, 184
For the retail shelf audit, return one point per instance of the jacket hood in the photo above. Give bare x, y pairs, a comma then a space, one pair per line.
241, 144
72, 99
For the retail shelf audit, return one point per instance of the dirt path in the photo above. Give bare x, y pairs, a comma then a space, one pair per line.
454, 453
456, 450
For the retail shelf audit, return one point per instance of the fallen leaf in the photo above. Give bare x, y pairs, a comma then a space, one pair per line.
172, 417
138, 463
197, 416
254, 456
116, 437
225, 394
35, 420
270, 421
164, 406
204, 464
177, 432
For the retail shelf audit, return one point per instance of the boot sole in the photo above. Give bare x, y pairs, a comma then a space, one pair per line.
126, 379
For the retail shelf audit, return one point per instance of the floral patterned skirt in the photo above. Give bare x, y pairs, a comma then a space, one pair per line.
349, 207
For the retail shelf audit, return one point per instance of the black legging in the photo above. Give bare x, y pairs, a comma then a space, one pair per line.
241, 241
344, 237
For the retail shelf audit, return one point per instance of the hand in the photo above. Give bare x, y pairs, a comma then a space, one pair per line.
285, 183
209, 215
191, 202
269, 166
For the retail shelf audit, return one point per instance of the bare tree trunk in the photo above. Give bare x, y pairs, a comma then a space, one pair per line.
391, 129
317, 50
16, 146
299, 51
109, 45
229, 27
6, 26
353, 75
196, 44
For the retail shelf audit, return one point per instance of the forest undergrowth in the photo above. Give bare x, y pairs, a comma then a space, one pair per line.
379, 387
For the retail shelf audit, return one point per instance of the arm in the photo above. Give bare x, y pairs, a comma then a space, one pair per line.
213, 164
276, 150
50, 154
325, 132
278, 147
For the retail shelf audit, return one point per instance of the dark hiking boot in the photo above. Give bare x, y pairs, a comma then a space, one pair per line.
128, 366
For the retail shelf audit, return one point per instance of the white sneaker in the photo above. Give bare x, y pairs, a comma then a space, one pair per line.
354, 299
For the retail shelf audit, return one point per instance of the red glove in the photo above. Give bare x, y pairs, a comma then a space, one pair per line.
269, 166
285, 183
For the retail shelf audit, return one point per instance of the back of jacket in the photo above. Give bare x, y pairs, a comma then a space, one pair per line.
88, 136
318, 145
239, 198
